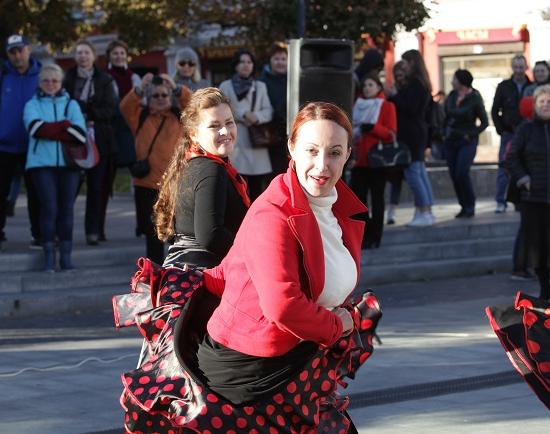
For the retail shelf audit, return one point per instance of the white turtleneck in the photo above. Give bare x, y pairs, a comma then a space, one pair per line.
340, 268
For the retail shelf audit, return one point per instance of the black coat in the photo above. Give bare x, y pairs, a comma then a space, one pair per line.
530, 156
411, 103
100, 108
505, 110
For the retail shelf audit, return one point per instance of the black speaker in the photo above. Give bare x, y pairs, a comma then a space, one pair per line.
319, 70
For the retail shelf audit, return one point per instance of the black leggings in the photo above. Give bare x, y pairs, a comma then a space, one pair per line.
145, 198
364, 180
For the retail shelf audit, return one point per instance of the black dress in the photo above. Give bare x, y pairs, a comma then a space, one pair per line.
209, 212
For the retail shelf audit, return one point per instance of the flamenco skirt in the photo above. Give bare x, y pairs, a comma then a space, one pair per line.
166, 393
524, 331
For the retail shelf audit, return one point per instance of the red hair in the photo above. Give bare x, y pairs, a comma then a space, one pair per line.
315, 111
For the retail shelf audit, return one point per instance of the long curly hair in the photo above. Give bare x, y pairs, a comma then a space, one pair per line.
164, 209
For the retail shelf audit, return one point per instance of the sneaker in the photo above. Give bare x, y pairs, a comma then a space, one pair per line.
390, 220
501, 208
422, 220
35, 244
522, 276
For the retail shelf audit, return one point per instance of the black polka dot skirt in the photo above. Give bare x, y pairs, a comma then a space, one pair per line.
163, 396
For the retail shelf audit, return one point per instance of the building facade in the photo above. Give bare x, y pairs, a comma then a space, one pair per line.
481, 36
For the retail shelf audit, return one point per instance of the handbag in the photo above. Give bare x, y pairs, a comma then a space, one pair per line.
141, 168
263, 135
82, 156
394, 154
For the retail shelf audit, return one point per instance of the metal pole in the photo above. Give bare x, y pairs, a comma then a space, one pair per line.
301, 21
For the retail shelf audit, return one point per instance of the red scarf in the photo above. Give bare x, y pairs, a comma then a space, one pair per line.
237, 180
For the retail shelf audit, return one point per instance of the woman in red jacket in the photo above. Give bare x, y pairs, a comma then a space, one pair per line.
374, 122
282, 331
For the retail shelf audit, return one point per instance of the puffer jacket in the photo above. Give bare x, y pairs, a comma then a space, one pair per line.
42, 109
529, 160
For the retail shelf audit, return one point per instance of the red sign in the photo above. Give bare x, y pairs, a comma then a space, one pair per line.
482, 36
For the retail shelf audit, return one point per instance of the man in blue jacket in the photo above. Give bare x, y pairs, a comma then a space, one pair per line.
18, 83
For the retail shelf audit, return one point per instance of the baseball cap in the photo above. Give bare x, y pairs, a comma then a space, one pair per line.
16, 41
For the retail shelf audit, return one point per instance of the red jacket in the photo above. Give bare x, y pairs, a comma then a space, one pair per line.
384, 130
272, 276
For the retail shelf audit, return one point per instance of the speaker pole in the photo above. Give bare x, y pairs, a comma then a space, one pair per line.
301, 19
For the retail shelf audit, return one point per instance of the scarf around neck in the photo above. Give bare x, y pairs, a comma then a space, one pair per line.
88, 88
237, 180
123, 79
241, 86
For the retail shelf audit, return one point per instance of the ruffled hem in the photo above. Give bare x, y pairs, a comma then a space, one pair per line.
162, 396
524, 331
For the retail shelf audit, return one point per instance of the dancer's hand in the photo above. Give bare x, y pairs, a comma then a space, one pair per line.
347, 320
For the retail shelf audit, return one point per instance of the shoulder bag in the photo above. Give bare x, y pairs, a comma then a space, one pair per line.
81, 155
389, 155
262, 135
141, 168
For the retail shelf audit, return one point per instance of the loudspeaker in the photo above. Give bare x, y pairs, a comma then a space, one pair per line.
319, 70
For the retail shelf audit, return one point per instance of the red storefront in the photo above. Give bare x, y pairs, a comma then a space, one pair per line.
486, 53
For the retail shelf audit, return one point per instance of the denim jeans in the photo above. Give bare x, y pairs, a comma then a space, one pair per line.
417, 178
460, 155
502, 176
56, 188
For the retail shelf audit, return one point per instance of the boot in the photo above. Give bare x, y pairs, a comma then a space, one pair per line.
49, 256
65, 248
544, 282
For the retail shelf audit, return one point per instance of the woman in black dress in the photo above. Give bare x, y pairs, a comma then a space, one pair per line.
202, 200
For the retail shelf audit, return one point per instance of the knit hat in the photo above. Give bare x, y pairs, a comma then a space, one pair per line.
187, 53
464, 77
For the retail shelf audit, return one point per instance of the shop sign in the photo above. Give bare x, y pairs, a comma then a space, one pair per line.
482, 36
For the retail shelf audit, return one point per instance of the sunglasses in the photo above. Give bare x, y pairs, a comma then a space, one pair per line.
159, 95
186, 62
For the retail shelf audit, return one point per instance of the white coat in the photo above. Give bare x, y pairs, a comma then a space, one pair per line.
249, 161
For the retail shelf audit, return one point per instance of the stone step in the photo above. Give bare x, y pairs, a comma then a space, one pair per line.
92, 298
450, 231
436, 251
102, 255
84, 277
432, 270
